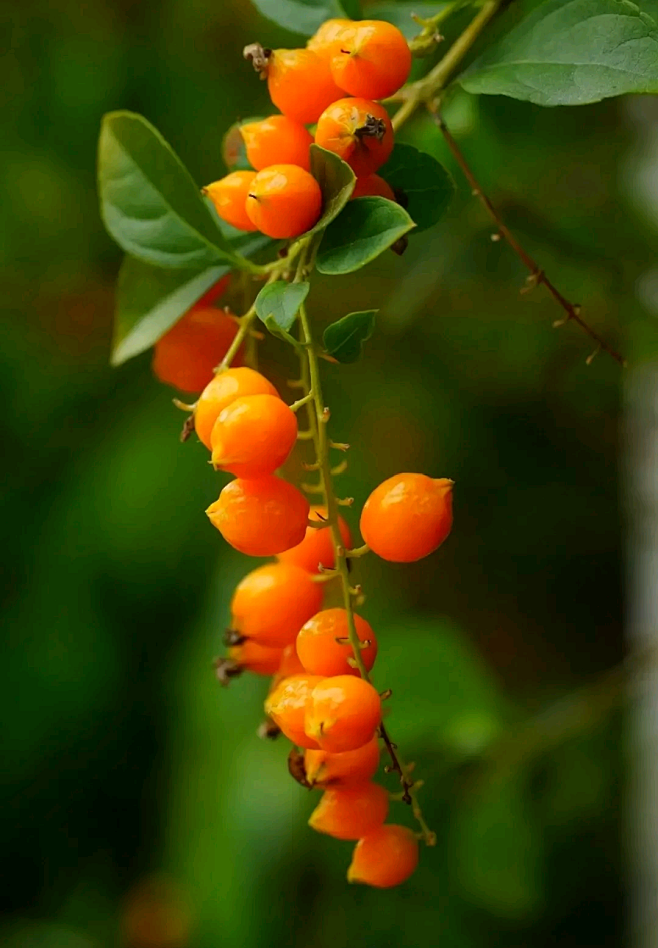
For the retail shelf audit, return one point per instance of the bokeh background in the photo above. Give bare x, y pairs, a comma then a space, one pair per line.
138, 806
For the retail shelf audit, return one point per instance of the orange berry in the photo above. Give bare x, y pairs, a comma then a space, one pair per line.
323, 43
342, 770
229, 195
289, 665
373, 186
221, 391
260, 517
253, 435
350, 812
321, 652
372, 59
385, 857
358, 131
343, 713
286, 705
317, 546
300, 84
277, 140
407, 517
284, 201
215, 291
254, 657
187, 354
272, 603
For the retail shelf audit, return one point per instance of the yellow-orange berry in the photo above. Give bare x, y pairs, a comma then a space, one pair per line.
284, 201
342, 713
288, 666
350, 812
277, 140
407, 517
229, 195
253, 435
317, 546
322, 647
385, 857
342, 770
221, 391
300, 83
186, 355
260, 517
286, 705
373, 186
372, 59
323, 42
256, 658
357, 130
271, 604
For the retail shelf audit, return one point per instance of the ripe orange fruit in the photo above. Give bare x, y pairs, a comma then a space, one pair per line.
271, 604
187, 354
256, 658
277, 140
289, 665
284, 201
407, 517
253, 435
317, 546
286, 705
324, 41
319, 651
372, 59
221, 391
350, 812
342, 770
229, 195
358, 131
385, 857
342, 713
260, 517
373, 186
300, 84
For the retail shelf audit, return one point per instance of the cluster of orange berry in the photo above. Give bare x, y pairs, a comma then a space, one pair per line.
333, 85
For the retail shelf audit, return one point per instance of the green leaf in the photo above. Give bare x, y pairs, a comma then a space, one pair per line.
300, 16
365, 229
233, 148
344, 339
336, 180
399, 14
277, 306
352, 9
149, 203
571, 52
426, 184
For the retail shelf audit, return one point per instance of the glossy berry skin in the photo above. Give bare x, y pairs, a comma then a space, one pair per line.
284, 201
324, 41
321, 654
407, 517
221, 391
342, 770
260, 517
229, 195
253, 435
385, 857
350, 812
300, 84
373, 186
256, 658
272, 603
286, 705
317, 546
277, 140
339, 129
372, 59
186, 355
342, 713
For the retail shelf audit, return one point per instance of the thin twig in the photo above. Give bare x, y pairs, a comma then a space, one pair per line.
537, 275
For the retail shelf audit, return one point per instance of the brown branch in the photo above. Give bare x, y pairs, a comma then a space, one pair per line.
537, 275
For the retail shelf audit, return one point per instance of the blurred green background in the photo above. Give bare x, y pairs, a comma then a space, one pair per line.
138, 806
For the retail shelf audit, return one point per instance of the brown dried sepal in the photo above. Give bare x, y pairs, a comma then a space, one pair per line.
259, 57
188, 428
297, 769
233, 637
372, 128
400, 245
268, 730
226, 669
